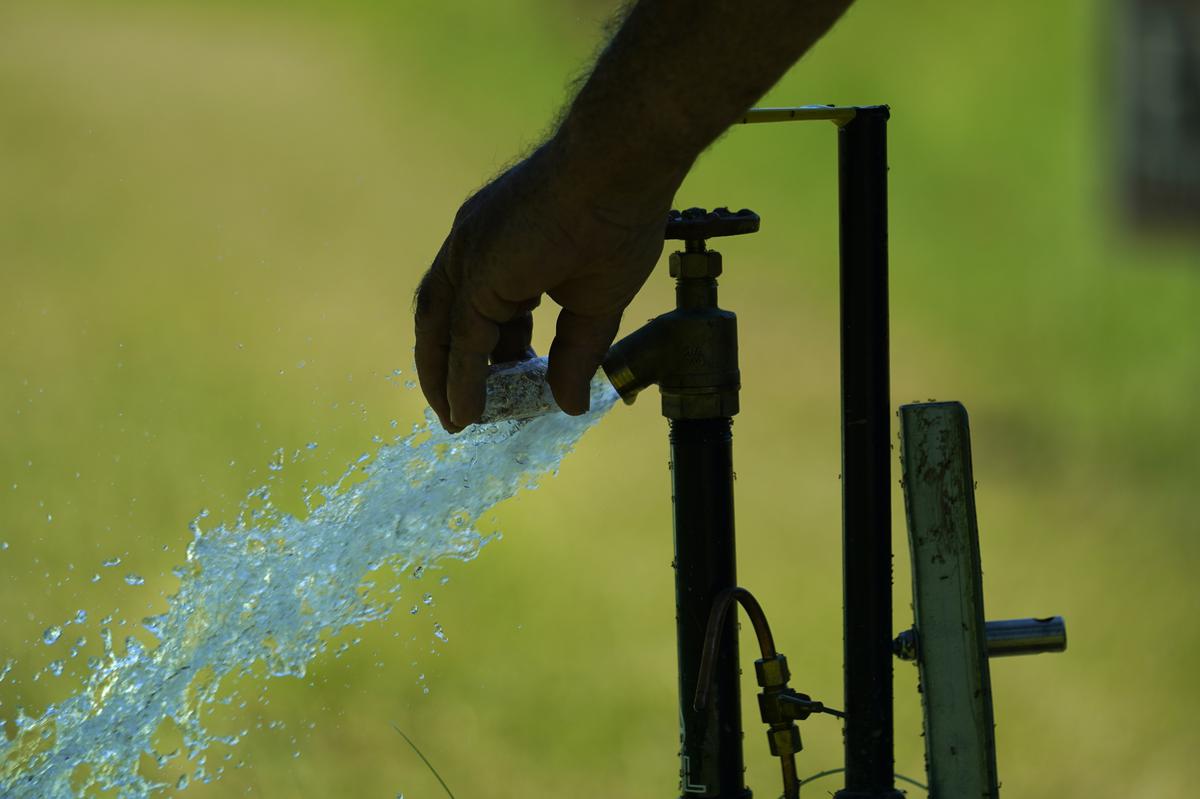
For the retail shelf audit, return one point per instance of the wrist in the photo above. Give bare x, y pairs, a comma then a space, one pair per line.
628, 177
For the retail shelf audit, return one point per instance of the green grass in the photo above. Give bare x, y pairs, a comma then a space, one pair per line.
197, 198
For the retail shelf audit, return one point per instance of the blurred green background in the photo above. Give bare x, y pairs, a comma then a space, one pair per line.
212, 216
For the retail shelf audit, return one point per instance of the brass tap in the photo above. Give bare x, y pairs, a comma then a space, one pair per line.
690, 352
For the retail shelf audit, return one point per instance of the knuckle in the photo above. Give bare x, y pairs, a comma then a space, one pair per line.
470, 332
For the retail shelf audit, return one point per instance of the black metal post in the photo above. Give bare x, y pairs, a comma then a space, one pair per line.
866, 456
702, 481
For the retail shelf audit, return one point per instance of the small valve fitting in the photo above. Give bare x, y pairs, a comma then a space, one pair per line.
783, 736
780, 708
779, 705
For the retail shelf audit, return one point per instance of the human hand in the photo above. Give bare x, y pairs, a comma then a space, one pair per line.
537, 229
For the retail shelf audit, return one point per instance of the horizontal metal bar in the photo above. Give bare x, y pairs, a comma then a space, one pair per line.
839, 114
1026, 636
1004, 638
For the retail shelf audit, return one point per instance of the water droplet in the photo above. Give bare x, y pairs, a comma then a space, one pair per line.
410, 384
445, 579
3, 545
80, 616
182, 782
134, 579
439, 633
95, 578
427, 599
111, 562
51, 635
56, 667
311, 445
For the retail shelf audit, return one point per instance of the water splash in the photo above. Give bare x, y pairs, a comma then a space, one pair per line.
260, 598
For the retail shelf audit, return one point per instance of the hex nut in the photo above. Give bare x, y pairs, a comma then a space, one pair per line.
784, 742
772, 672
695, 264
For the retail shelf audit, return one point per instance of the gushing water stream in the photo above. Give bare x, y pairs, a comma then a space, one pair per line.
260, 598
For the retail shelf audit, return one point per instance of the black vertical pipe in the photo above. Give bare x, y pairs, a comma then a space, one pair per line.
702, 493
866, 456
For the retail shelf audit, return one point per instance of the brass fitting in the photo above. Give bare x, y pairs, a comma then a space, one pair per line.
690, 352
772, 672
785, 741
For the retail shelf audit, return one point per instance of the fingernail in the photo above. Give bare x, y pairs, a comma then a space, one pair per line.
580, 399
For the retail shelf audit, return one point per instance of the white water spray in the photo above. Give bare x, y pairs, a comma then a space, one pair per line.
268, 592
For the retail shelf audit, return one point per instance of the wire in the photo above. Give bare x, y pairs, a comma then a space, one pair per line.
832, 771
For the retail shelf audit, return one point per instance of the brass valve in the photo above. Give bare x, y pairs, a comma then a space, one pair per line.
779, 706
690, 353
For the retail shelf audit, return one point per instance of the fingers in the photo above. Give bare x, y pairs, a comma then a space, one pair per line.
515, 337
431, 315
457, 329
580, 344
473, 337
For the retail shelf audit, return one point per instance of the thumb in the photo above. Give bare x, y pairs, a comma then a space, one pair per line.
580, 344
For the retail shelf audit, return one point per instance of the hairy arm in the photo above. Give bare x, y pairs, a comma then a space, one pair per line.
581, 219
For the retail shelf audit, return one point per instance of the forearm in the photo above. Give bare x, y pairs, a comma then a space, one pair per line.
672, 79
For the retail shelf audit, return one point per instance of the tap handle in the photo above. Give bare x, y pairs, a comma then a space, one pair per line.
697, 224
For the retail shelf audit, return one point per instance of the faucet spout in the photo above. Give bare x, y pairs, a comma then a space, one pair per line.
634, 363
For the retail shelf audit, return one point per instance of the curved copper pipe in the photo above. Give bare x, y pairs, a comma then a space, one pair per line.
712, 636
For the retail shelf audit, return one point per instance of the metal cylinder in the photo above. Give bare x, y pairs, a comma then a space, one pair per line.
711, 762
866, 455
1004, 638
1026, 636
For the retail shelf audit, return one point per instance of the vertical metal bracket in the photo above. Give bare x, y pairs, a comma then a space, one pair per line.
951, 641
943, 536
